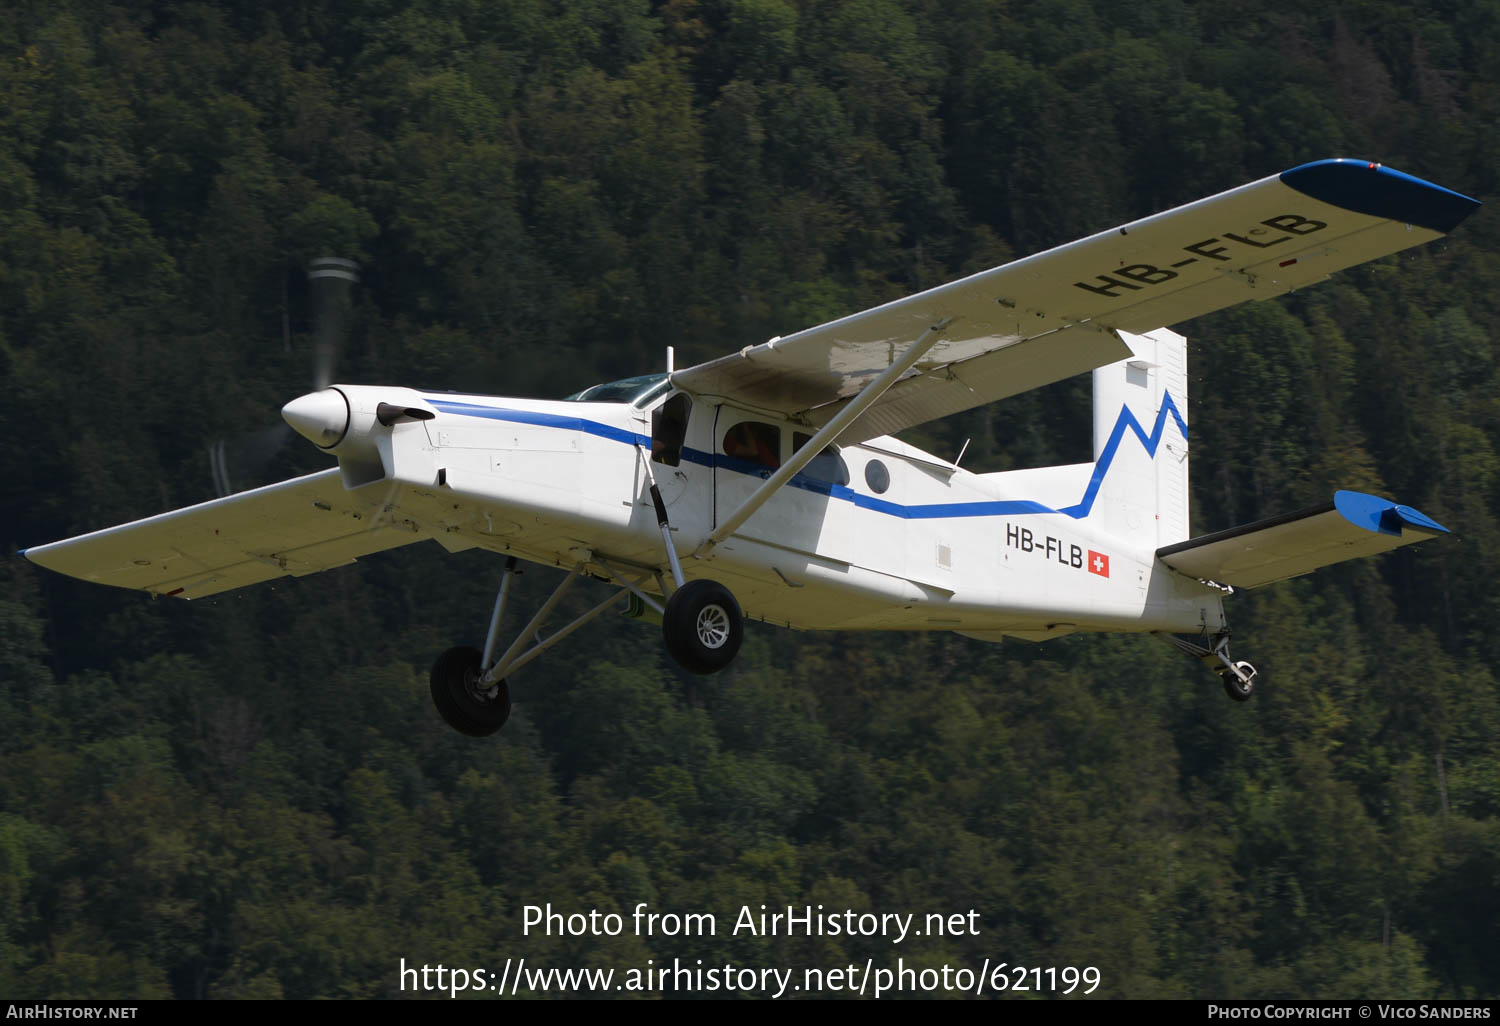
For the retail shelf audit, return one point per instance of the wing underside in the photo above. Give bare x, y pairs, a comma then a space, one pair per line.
292, 528
1050, 316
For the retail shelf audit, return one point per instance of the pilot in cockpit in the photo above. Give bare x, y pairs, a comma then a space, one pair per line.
757, 443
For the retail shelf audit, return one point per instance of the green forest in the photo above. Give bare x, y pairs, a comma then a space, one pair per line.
251, 796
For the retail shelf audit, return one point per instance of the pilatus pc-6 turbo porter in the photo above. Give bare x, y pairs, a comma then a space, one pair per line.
767, 484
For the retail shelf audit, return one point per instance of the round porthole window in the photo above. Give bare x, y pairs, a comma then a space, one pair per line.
877, 476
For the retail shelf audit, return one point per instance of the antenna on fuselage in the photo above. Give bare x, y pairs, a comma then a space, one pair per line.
671, 355
959, 458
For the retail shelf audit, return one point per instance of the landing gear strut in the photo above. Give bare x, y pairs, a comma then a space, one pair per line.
469, 688
701, 625
1238, 677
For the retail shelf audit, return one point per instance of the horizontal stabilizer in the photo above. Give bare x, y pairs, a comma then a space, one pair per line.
295, 527
1352, 525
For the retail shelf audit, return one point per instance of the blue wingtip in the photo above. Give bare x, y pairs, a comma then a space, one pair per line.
1370, 188
1382, 515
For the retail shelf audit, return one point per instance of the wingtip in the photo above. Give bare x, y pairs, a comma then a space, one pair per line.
1369, 187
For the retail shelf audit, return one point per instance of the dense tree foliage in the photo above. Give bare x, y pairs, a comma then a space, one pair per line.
251, 796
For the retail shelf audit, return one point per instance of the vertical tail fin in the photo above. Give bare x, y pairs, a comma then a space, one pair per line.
1140, 482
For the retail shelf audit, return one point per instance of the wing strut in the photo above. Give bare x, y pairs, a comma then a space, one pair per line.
826, 434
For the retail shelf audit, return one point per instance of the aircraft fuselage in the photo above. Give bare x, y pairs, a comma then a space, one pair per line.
877, 535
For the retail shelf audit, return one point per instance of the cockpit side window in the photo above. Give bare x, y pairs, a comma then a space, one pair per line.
827, 465
754, 442
669, 423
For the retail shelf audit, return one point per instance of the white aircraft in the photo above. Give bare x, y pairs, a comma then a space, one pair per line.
767, 484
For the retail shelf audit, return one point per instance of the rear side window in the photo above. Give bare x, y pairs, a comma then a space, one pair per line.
827, 465
754, 442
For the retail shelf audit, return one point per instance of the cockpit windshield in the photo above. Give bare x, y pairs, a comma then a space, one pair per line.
639, 390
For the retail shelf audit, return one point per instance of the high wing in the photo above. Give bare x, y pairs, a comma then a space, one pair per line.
1352, 525
293, 528
1053, 315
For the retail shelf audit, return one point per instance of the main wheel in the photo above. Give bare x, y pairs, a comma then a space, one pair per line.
1239, 690
702, 626
466, 705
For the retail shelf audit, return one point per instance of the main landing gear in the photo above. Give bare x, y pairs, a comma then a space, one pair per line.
1238, 678
467, 704
701, 624
702, 627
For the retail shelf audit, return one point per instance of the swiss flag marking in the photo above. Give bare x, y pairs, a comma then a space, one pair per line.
1098, 563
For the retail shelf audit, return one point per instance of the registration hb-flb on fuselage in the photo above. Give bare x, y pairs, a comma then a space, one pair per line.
768, 484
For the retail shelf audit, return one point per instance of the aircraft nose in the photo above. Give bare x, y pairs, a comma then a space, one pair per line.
320, 417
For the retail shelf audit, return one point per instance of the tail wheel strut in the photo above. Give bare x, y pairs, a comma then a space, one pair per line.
1237, 676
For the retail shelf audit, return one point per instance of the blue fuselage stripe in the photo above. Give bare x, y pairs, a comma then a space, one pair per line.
932, 511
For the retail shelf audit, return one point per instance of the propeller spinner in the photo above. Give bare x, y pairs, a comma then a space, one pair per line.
320, 417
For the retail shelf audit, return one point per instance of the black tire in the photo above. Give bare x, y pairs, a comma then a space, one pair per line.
702, 626
1236, 689
455, 679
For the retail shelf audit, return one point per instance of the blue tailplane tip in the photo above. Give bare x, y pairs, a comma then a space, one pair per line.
1382, 515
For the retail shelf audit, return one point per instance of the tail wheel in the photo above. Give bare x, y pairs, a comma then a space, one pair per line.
463, 701
1237, 688
702, 626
